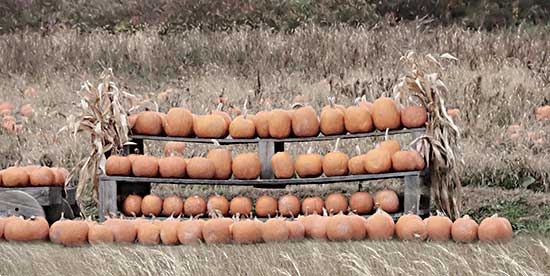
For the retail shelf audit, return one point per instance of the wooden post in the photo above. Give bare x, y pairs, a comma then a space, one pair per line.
266, 149
417, 196
107, 198
130, 149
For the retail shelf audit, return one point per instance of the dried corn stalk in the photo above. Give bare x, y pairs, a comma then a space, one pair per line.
440, 145
104, 110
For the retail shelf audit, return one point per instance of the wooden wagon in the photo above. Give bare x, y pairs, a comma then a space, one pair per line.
417, 189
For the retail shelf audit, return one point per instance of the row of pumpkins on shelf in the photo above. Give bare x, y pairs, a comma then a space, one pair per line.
339, 227
33, 176
219, 164
360, 203
301, 121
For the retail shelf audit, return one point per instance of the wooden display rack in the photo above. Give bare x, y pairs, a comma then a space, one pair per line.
113, 189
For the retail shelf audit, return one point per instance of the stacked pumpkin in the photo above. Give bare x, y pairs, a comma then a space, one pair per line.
301, 121
32, 176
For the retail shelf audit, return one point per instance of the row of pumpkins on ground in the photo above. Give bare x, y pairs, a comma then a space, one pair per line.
360, 203
220, 164
340, 227
301, 121
32, 176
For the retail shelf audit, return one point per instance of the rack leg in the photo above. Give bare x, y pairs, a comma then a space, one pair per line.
417, 195
138, 147
107, 199
266, 150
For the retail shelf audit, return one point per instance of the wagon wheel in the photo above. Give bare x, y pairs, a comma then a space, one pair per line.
18, 203
53, 212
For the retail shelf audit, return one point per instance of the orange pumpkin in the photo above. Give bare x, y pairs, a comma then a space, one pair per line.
172, 167
124, 231
495, 229
148, 233
339, 228
174, 149
439, 228
15, 177
32, 229
315, 226
296, 230
69, 232
210, 126
132, 205
148, 123
289, 206
280, 124
247, 166
357, 119
145, 166
190, 231
409, 160
242, 127
380, 226
464, 229
361, 203
100, 234
387, 200
282, 165
335, 163
217, 205
261, 123
305, 122
336, 203
411, 227
266, 206
377, 161
309, 165
179, 122
240, 206
414, 116
385, 114
222, 160
200, 168
172, 206
43, 176
275, 230
246, 232
194, 206
216, 231
151, 205
358, 225
169, 231
391, 146
118, 165
312, 205
332, 119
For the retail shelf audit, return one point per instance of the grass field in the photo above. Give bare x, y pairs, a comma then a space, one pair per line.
523, 256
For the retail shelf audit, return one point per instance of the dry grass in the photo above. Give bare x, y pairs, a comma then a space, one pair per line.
522, 256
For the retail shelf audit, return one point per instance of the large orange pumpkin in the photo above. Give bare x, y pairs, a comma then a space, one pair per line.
275, 230
61, 175
356, 164
43, 176
15, 177
339, 228
179, 122
387, 200
148, 123
380, 226
305, 122
246, 232
280, 124
145, 166
409, 160
332, 119
391, 146
194, 206
261, 123
377, 161
414, 116
216, 231
132, 205
357, 119
151, 205
32, 229
100, 234
118, 165
411, 227
172, 206
464, 229
309, 165
174, 149
385, 114
69, 232
495, 229
201, 168
240, 206
315, 226
266, 206
172, 167
282, 165
335, 163
124, 231
247, 166
312, 205
361, 203
289, 206
217, 205
222, 160
439, 228
242, 127
358, 224
336, 203
210, 126
190, 231
169, 231
148, 233
296, 230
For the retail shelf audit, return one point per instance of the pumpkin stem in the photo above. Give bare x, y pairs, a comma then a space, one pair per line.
364, 98
309, 150
387, 135
215, 142
219, 107
297, 105
336, 144
356, 101
245, 109
331, 101
358, 150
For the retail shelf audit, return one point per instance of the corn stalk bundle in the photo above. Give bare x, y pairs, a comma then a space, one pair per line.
440, 146
104, 109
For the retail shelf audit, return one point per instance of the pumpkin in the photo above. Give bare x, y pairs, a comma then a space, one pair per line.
542, 113
169, 231
414, 116
365, 104
179, 122
201, 168
332, 119
380, 226
15, 177
43, 176
190, 231
411, 227
312, 205
464, 229
32, 229
216, 231
261, 123
118, 166
406, 160
148, 123
217, 205
61, 174
151, 205
315, 226
357, 119
174, 149
172, 167
280, 124
282, 165
339, 228
132, 205
356, 164
309, 165
335, 163
1, 184
145, 166
222, 160
194, 206
296, 230
385, 114
172, 206
246, 232
275, 230
438, 227
148, 234
387, 200
124, 231
377, 161
391, 146
289, 206
225, 116
266, 206
100, 234
305, 122
131, 120
358, 225
242, 127
210, 126
361, 203
247, 166
69, 232
240, 206
336, 203
495, 229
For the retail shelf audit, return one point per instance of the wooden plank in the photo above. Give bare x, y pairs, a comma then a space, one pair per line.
237, 182
107, 198
266, 149
70, 195
19, 203
44, 195
229, 140
411, 202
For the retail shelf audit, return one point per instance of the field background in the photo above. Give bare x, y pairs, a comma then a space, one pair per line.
201, 49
